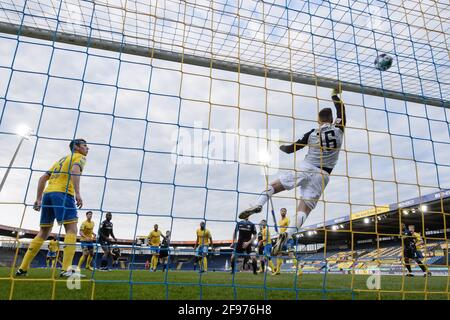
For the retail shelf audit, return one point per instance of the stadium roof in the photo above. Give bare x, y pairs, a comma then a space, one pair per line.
428, 213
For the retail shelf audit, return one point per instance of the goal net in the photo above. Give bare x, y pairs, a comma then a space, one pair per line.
184, 105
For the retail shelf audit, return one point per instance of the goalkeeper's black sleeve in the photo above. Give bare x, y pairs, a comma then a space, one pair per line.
299, 144
340, 112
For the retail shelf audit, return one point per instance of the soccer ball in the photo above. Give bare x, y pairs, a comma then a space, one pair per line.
383, 62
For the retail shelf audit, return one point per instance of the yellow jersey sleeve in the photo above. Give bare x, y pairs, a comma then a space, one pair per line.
52, 169
79, 160
59, 180
159, 237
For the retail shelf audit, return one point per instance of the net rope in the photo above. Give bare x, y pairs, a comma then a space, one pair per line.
127, 106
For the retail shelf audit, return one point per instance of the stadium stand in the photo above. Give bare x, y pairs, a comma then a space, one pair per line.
369, 251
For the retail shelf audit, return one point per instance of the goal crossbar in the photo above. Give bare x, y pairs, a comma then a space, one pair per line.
115, 46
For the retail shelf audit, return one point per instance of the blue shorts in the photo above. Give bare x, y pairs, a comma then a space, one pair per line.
201, 251
59, 206
154, 250
51, 254
87, 245
419, 254
268, 250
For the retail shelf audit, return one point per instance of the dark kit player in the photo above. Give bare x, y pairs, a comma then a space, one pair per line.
115, 253
105, 232
243, 247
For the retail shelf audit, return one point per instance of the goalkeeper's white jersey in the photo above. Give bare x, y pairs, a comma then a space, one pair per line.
324, 145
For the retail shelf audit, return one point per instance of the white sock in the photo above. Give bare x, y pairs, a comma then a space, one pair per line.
265, 196
296, 221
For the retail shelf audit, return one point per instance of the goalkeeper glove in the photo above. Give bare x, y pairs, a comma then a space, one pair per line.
285, 148
336, 91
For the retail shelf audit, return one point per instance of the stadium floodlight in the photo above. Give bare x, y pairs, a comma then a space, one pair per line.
341, 226
264, 157
334, 228
25, 132
310, 233
405, 212
423, 208
413, 210
366, 220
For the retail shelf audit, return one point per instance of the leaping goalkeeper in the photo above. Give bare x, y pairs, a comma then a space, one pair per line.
314, 171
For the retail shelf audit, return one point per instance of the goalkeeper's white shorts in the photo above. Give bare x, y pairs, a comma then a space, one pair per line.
310, 180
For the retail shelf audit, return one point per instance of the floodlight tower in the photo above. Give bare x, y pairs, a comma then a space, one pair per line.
24, 132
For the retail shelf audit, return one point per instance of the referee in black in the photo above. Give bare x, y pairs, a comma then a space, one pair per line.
243, 247
164, 251
104, 233
260, 250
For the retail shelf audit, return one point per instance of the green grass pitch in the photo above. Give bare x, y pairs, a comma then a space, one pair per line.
177, 285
